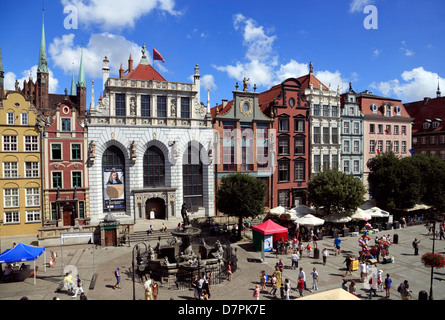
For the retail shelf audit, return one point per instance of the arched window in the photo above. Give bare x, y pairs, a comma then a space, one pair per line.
154, 168
192, 177
113, 166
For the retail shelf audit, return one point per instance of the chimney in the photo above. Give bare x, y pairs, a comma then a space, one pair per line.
425, 100
121, 72
130, 64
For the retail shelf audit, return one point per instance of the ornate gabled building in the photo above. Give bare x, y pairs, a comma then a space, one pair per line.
150, 147
284, 103
428, 131
325, 122
387, 127
64, 175
242, 135
20, 159
351, 135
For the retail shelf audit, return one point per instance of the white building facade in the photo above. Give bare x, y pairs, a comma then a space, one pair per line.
150, 147
325, 123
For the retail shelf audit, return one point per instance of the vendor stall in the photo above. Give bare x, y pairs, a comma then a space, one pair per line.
267, 233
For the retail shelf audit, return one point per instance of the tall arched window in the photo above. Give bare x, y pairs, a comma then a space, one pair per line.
154, 168
113, 167
192, 177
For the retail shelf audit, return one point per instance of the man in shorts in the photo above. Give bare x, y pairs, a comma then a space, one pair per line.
337, 244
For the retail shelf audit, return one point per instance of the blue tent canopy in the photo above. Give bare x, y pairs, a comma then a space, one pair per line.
21, 253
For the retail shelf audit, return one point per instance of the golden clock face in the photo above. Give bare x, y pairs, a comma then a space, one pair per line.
246, 107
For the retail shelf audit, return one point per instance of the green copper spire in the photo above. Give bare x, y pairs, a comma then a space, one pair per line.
73, 86
43, 63
81, 82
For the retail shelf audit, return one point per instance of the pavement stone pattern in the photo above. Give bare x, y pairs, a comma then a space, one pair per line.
88, 260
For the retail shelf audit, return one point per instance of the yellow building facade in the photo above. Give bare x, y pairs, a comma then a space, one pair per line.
21, 168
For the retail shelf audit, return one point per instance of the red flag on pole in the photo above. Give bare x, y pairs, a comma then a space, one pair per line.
378, 151
157, 55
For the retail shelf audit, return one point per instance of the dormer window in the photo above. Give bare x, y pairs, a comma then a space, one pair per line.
426, 123
388, 111
436, 123
398, 110
374, 108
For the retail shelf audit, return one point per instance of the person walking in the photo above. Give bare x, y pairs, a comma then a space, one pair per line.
256, 292
363, 270
295, 256
388, 282
416, 246
273, 291
314, 280
229, 271
348, 262
117, 275
405, 292
195, 287
287, 289
441, 232
325, 255
68, 280
352, 288
337, 244
79, 286
302, 275
372, 281
300, 285
155, 289
148, 290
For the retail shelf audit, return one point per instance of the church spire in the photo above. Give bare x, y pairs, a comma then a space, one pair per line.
73, 85
81, 81
438, 93
43, 63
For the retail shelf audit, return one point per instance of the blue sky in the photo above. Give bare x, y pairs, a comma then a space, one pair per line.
266, 41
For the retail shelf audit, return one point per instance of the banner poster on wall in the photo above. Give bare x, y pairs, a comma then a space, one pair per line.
114, 189
268, 242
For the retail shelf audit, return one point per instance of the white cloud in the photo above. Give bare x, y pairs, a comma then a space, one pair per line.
66, 55
407, 52
261, 60
377, 52
11, 77
118, 14
333, 79
208, 82
414, 85
359, 5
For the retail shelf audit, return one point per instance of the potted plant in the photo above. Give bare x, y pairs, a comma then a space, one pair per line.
434, 260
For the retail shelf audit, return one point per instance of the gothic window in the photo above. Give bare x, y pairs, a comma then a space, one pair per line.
192, 177
154, 168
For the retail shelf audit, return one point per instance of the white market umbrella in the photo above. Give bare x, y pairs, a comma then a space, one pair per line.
278, 210
378, 213
337, 218
361, 214
309, 220
303, 209
294, 214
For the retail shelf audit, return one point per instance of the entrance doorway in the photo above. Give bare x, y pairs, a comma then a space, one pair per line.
68, 216
110, 237
156, 205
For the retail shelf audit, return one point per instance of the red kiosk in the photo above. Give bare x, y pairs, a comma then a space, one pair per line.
268, 233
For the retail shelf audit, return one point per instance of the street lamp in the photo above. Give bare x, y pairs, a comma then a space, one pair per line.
132, 263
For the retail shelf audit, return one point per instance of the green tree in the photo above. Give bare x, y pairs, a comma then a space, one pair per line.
241, 195
432, 179
336, 192
383, 178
